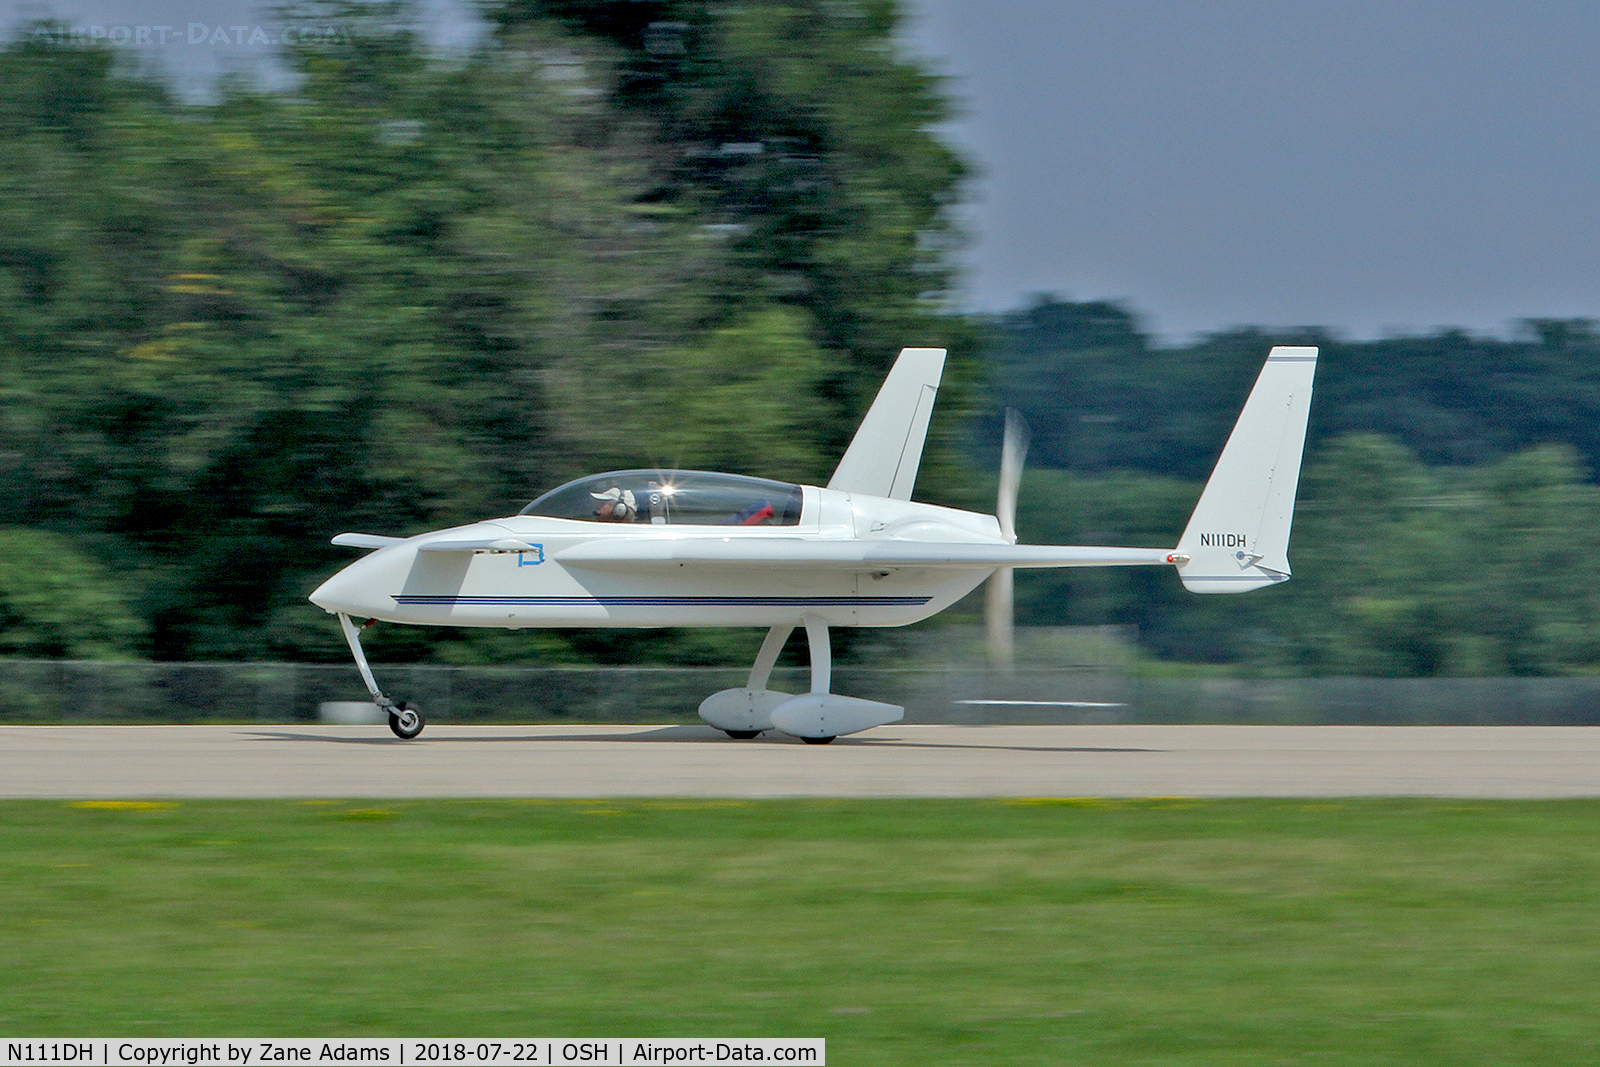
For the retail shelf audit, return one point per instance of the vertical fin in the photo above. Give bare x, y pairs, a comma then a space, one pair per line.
1238, 537
883, 456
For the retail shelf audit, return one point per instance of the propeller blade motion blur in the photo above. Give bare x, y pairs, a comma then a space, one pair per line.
998, 608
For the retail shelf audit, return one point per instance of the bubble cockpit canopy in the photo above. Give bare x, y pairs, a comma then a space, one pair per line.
699, 498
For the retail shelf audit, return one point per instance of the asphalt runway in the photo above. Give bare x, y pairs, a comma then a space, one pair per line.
95, 762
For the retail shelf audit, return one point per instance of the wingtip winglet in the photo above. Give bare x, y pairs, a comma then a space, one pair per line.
884, 454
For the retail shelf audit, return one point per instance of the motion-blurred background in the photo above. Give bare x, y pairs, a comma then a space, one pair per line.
375, 267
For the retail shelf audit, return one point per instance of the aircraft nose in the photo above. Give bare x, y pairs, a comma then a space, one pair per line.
358, 589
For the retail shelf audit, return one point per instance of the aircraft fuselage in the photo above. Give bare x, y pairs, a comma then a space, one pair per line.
565, 577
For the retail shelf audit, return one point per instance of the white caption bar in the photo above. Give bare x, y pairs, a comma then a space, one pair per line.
407, 1052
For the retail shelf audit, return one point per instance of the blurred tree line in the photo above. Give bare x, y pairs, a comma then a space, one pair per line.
1101, 396
412, 291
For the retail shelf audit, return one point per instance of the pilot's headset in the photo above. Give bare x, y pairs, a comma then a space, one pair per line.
623, 503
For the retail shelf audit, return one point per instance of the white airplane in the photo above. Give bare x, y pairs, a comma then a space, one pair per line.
691, 548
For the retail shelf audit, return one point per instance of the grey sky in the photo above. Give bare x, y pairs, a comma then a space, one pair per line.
1369, 166
1362, 165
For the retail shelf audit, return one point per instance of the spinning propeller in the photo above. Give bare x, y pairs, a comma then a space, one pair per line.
998, 611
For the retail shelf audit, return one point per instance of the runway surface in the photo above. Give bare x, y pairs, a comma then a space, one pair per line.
898, 761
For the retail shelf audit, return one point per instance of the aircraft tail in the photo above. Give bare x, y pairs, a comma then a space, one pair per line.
1238, 537
883, 456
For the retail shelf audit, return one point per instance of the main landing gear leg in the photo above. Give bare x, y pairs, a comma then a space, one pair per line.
761, 673
821, 665
406, 722
767, 658
746, 713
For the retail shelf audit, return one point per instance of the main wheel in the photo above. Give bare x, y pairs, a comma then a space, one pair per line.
816, 740
742, 735
406, 722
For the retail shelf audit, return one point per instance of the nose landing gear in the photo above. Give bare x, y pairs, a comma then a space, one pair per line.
405, 721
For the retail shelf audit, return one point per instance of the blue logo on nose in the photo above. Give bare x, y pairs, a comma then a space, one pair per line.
537, 552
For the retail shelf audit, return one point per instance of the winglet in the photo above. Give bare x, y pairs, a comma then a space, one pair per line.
1238, 537
883, 456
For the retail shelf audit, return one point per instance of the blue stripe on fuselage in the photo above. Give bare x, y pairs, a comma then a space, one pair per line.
661, 601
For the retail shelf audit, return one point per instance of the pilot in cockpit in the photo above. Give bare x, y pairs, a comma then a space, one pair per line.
615, 505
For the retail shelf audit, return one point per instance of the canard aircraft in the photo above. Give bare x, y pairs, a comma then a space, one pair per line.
645, 548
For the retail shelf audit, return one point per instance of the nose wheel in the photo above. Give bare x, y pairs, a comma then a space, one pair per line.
405, 722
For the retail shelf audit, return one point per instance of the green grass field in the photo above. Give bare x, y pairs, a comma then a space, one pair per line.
905, 932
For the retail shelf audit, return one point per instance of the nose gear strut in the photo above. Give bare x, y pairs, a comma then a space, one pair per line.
404, 720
